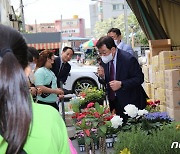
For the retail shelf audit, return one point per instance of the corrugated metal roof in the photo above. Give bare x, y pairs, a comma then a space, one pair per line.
42, 37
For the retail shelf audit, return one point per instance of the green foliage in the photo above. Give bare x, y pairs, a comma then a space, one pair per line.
92, 95
138, 142
101, 28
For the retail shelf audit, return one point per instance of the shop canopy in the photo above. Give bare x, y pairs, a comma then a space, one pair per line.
159, 19
43, 41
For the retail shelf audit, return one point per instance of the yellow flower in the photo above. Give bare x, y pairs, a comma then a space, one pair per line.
178, 127
125, 151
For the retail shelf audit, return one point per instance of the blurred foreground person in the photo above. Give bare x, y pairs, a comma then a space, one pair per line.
25, 127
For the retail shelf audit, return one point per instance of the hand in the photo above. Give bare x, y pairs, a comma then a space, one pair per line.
39, 91
61, 96
33, 91
59, 91
115, 85
100, 71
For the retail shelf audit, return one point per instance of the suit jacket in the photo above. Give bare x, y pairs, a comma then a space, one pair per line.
126, 48
129, 72
63, 73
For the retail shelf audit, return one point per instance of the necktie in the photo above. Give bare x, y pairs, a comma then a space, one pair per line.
62, 66
111, 78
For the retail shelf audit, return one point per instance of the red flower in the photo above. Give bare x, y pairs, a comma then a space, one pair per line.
157, 102
82, 94
91, 104
87, 132
81, 116
96, 114
106, 111
108, 118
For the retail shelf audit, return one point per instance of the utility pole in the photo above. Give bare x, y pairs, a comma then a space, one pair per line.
61, 29
126, 21
22, 15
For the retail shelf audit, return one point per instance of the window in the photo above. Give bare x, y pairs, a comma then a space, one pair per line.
117, 7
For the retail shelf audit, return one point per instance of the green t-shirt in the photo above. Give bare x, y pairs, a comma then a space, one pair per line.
48, 133
44, 76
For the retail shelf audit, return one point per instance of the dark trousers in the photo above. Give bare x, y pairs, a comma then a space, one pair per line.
51, 104
119, 109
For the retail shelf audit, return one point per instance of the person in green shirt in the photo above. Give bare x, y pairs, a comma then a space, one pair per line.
25, 127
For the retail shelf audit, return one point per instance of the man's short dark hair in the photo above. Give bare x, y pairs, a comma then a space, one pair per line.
65, 48
106, 40
34, 52
115, 30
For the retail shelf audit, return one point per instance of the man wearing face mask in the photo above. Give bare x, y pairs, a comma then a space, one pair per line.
115, 33
123, 77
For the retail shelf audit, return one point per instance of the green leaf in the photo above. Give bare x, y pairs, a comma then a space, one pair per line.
75, 108
95, 124
97, 107
103, 128
87, 140
108, 123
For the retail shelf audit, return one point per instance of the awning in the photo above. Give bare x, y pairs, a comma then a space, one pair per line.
42, 46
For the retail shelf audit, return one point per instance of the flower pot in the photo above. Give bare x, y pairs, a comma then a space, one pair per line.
109, 142
82, 148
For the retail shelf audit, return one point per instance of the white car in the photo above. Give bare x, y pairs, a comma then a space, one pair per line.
80, 77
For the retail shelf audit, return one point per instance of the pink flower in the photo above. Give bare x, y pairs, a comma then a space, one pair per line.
96, 114
87, 132
91, 104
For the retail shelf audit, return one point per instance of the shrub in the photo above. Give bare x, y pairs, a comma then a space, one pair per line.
138, 142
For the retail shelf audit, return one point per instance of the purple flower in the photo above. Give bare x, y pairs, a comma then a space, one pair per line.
162, 116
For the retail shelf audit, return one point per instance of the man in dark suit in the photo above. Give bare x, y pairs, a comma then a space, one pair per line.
61, 67
123, 76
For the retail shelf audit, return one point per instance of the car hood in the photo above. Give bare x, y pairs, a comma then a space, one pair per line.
84, 68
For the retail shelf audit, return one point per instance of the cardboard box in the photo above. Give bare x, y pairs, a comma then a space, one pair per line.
161, 95
155, 63
148, 58
169, 60
172, 79
162, 108
172, 99
145, 70
152, 92
147, 88
173, 113
162, 79
159, 45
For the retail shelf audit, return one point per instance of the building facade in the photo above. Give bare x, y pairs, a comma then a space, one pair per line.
105, 9
5, 12
71, 27
74, 27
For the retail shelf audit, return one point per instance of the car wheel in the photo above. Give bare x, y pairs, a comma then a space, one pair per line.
83, 84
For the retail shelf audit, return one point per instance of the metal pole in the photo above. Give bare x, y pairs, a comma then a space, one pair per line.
62, 103
126, 22
22, 15
60, 49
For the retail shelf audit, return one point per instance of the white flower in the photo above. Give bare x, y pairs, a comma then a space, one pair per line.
116, 121
142, 112
131, 110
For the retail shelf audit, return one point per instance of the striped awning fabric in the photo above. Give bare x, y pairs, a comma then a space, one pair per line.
41, 46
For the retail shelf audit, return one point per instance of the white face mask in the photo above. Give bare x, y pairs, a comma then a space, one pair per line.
107, 59
32, 65
116, 42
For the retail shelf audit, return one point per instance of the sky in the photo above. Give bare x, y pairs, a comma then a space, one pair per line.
45, 11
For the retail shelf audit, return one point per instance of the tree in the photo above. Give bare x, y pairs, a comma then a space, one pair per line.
101, 28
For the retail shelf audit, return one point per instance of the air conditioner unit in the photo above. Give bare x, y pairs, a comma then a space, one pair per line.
12, 17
